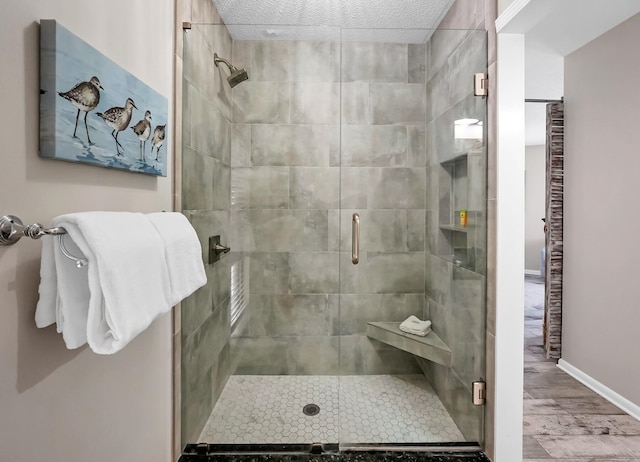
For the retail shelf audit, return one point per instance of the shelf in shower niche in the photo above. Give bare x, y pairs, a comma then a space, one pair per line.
457, 228
429, 347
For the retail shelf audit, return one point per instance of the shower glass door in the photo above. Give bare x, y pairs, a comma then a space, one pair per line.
413, 239
290, 342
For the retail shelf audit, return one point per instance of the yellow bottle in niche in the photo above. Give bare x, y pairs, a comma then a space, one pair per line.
463, 218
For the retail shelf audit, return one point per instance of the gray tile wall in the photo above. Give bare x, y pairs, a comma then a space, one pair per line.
295, 123
206, 202
455, 280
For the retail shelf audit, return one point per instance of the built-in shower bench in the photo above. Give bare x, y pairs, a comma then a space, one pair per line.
430, 347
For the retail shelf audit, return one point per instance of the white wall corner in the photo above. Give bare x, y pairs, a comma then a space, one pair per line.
509, 13
509, 354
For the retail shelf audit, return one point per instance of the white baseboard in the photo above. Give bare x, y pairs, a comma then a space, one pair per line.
532, 273
601, 389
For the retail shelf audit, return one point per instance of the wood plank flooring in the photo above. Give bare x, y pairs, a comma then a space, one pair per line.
563, 419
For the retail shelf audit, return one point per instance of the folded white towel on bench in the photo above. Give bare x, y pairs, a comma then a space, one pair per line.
413, 325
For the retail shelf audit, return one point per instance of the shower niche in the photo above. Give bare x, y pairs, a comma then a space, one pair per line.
461, 217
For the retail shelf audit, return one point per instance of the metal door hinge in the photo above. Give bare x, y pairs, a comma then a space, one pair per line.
479, 389
186, 25
480, 84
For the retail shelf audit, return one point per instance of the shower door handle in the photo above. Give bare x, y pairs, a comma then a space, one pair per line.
355, 239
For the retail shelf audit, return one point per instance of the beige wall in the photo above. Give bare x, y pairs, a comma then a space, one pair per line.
57, 404
600, 307
534, 206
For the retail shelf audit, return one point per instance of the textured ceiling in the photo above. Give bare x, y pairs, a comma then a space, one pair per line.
406, 21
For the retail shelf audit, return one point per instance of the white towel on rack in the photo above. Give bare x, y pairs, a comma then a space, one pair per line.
127, 282
182, 252
127, 275
64, 292
47, 307
413, 325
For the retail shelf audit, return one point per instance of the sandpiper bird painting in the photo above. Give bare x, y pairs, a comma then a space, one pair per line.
85, 96
118, 119
158, 139
143, 130
72, 73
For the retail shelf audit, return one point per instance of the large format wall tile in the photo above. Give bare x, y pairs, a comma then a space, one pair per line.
380, 273
201, 349
196, 71
417, 146
261, 102
283, 61
440, 47
357, 310
389, 230
417, 60
315, 188
264, 187
355, 103
360, 355
469, 323
270, 272
209, 131
311, 355
240, 145
383, 188
380, 188
197, 183
374, 146
197, 402
294, 145
314, 272
291, 315
396, 272
221, 180
438, 91
198, 307
289, 230
395, 103
468, 58
397, 188
315, 103
374, 62
282, 273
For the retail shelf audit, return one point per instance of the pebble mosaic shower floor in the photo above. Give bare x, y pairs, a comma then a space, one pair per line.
352, 409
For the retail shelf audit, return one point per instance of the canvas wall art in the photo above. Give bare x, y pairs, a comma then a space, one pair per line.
95, 112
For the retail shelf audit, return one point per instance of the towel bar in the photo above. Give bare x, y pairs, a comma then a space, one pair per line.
12, 230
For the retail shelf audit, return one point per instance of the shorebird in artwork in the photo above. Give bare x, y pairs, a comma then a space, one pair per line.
85, 96
118, 119
158, 139
143, 130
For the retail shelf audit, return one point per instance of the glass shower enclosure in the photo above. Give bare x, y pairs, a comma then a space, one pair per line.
348, 177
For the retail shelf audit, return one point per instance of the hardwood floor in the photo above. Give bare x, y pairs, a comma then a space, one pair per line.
563, 419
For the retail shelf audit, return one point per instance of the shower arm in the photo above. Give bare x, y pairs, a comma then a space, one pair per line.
217, 59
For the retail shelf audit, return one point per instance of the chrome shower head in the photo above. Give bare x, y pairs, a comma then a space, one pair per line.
237, 75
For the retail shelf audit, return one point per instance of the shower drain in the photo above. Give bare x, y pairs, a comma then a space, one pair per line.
311, 409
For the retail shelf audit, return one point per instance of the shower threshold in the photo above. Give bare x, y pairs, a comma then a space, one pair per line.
332, 452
